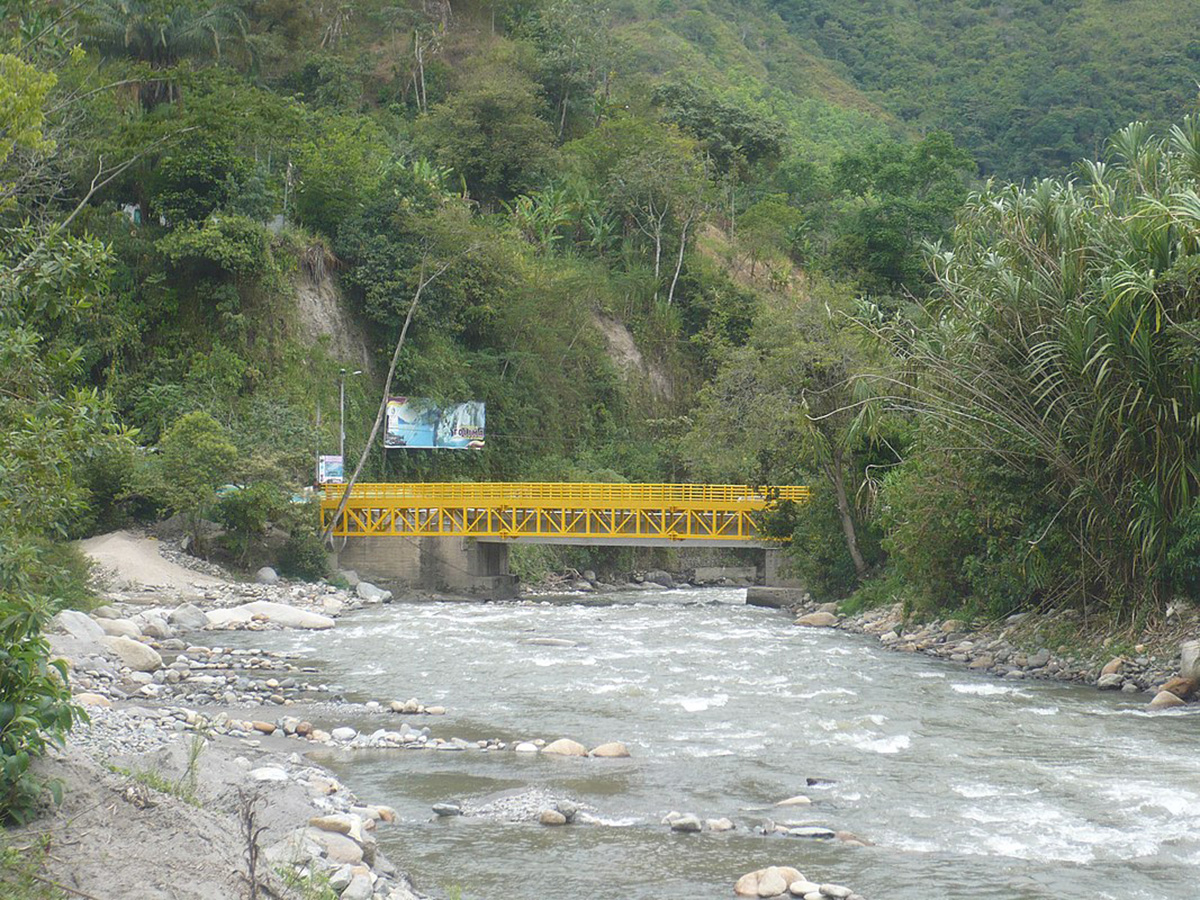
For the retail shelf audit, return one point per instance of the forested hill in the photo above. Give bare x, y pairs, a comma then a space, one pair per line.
1028, 86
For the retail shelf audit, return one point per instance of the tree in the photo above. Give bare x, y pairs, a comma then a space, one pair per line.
195, 457
162, 33
489, 131
787, 405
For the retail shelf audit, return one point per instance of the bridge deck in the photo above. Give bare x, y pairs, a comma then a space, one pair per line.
667, 514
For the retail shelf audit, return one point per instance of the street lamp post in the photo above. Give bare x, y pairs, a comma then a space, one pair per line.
342, 413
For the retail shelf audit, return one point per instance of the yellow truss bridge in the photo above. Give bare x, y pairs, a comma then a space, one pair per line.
640, 514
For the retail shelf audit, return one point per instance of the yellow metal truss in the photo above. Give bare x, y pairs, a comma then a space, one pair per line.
561, 512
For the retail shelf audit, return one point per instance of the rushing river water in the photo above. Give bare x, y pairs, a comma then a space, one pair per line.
969, 787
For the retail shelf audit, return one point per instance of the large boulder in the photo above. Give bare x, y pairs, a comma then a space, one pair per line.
1183, 688
565, 747
1165, 700
371, 593
1189, 666
266, 575
277, 613
188, 615
78, 626
134, 654
120, 628
611, 750
661, 578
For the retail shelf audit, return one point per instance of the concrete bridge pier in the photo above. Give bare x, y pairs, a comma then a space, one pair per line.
451, 565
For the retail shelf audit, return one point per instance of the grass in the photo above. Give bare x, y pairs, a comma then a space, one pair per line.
20, 872
183, 788
308, 884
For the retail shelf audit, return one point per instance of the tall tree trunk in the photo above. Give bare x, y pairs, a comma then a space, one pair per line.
837, 475
679, 260
562, 121
422, 283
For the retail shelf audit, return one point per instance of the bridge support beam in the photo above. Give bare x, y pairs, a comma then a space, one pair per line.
777, 572
450, 565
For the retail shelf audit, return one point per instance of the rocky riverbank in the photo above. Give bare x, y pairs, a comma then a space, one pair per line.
1163, 662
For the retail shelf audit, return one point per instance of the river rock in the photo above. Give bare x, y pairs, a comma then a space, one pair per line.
359, 888
814, 832
526, 747
565, 747
276, 613
687, 823
803, 887
269, 773
611, 750
263, 727
836, 891
1110, 682
156, 627
552, 817
344, 733
817, 620
134, 654
341, 878
1165, 700
189, 616
120, 628
1183, 688
78, 626
89, 699
336, 824
772, 883
447, 810
266, 575
371, 593
798, 800
661, 578
1113, 666
338, 848
718, 825
1189, 654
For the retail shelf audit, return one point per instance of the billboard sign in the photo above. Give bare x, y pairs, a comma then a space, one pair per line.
330, 470
414, 423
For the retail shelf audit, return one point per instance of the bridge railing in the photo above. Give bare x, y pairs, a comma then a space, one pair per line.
564, 493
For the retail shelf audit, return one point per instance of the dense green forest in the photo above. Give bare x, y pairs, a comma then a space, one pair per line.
661, 240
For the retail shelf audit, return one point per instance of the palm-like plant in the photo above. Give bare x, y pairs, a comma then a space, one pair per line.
1065, 337
161, 35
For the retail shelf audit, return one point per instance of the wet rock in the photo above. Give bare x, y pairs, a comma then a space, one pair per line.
813, 832
687, 823
1183, 688
747, 885
1165, 700
548, 642
719, 825
661, 578
435, 710
803, 887
836, 891
371, 593
567, 808
526, 747
772, 883
817, 620
565, 747
798, 800
1110, 682
344, 733
611, 750
552, 817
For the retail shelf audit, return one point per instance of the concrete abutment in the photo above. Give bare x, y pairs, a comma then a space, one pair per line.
451, 565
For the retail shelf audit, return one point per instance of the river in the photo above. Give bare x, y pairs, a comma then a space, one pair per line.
969, 787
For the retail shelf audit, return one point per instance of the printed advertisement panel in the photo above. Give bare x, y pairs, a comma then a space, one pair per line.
414, 423
330, 470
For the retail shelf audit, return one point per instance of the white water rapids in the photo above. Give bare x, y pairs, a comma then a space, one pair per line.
968, 787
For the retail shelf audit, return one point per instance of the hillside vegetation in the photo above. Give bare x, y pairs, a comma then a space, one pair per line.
661, 240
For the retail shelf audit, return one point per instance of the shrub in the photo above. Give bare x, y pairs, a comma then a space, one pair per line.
35, 705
